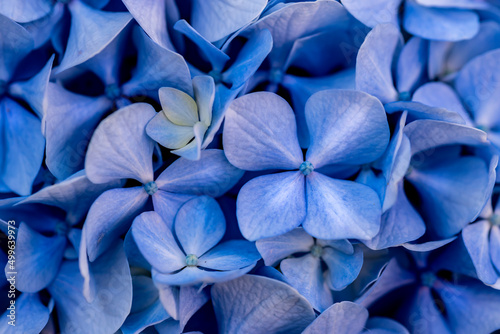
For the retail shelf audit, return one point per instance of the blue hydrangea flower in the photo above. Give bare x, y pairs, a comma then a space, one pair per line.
260, 134
189, 254
301, 259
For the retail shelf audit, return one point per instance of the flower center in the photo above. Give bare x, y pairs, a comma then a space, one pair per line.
404, 96
316, 250
428, 278
62, 228
276, 75
112, 91
191, 260
151, 187
306, 168
495, 219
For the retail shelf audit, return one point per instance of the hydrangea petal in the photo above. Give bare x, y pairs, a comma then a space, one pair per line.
230, 255
36, 269
374, 62
195, 275
495, 246
25, 11
157, 243
346, 317
271, 205
16, 43
412, 64
168, 134
441, 24
306, 275
374, 12
31, 315
338, 209
68, 123
137, 322
110, 216
91, 31
179, 107
476, 240
120, 148
271, 307
340, 123
204, 93
212, 175
260, 133
22, 146
199, 225
167, 205
107, 312
343, 268
276, 248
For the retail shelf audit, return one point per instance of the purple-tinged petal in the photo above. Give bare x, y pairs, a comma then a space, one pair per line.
306, 275
271, 205
374, 12
379, 325
199, 225
110, 217
113, 299
428, 246
346, 317
195, 276
212, 175
338, 209
157, 243
417, 110
167, 205
37, 259
342, 268
68, 123
256, 304
26, 10
230, 255
120, 148
277, 248
375, 62
260, 133
91, 31
346, 127
476, 240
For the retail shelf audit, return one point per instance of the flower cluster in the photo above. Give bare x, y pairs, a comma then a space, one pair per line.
249, 166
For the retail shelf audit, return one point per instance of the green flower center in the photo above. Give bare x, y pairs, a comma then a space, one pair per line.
151, 187
191, 260
306, 168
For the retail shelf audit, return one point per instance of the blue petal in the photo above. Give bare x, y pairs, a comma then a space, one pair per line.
36, 268
444, 209
167, 204
256, 304
220, 18
22, 146
110, 216
476, 240
137, 322
16, 44
113, 300
157, 67
306, 275
204, 93
150, 15
378, 325
346, 127
412, 64
199, 225
260, 133
417, 110
31, 316
157, 243
249, 59
68, 123
343, 268
91, 31
277, 248
470, 301
477, 85
33, 90
74, 195
495, 246
230, 255
195, 275
216, 57
192, 151
440, 24
346, 317
375, 62
374, 12
25, 11
439, 94
338, 209
167, 133
271, 205
120, 148
212, 175
400, 224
